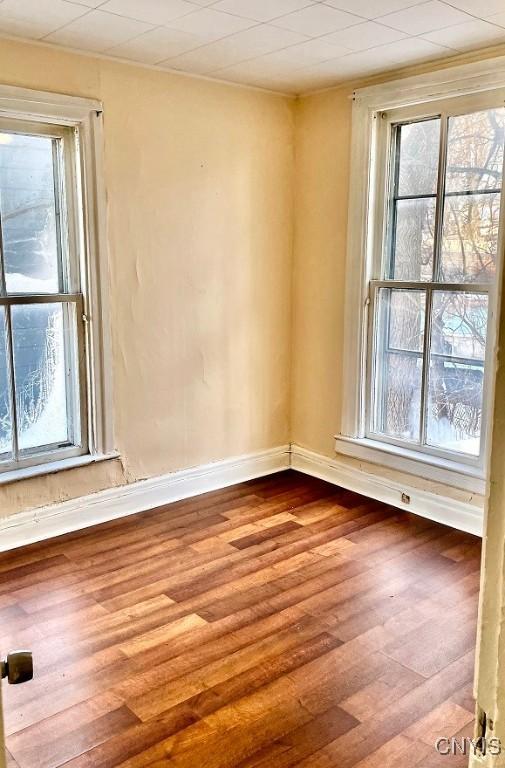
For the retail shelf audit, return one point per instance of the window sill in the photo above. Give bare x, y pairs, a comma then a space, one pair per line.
54, 466
452, 473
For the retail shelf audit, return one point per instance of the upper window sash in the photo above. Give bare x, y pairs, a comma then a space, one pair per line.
67, 215
382, 189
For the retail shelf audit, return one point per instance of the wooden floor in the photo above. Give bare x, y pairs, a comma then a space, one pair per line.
277, 623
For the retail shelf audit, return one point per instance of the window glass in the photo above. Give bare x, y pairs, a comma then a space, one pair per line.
41, 375
5, 403
456, 374
469, 246
418, 163
398, 374
28, 211
414, 200
414, 239
475, 151
473, 181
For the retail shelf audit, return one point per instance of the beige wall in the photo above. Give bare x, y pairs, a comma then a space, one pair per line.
323, 134
199, 181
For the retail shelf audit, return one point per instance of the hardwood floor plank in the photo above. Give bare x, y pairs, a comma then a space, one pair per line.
302, 742
397, 751
381, 692
79, 729
266, 534
231, 734
210, 643
427, 729
424, 651
162, 634
214, 673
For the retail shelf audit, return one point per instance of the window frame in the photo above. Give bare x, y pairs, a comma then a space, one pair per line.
388, 123
70, 293
87, 281
467, 88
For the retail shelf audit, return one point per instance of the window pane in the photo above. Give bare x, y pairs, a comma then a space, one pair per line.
399, 396
406, 318
419, 151
412, 257
455, 405
41, 365
5, 404
470, 238
459, 324
398, 374
475, 151
456, 376
27, 203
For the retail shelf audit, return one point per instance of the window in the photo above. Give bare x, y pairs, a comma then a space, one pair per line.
425, 244
431, 299
52, 339
43, 401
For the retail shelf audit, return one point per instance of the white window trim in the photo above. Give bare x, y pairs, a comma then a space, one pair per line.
85, 115
50, 467
466, 79
429, 467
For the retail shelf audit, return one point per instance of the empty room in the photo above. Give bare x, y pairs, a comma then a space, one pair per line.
252, 384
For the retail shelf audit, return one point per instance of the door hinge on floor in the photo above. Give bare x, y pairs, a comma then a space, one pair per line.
485, 742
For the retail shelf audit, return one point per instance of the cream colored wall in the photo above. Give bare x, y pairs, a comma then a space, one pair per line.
323, 136
199, 181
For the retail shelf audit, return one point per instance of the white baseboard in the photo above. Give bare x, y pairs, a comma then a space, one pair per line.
457, 514
54, 520
73, 515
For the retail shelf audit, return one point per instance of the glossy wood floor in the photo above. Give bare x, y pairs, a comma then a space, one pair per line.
277, 623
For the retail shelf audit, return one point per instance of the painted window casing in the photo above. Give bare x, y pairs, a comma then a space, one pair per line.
378, 114
53, 287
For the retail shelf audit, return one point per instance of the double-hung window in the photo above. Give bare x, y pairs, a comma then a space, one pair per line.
431, 299
434, 255
49, 390
42, 373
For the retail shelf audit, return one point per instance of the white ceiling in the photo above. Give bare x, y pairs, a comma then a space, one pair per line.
291, 46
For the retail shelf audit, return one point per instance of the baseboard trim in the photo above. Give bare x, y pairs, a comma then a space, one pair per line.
76, 514
456, 514
45, 522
